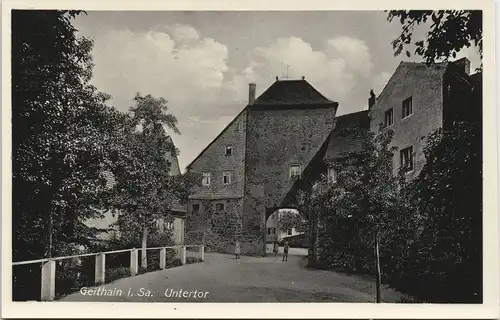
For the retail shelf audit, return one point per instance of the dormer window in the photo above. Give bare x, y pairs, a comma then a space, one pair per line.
294, 171
229, 150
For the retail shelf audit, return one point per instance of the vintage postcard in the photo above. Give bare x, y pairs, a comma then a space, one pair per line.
249, 159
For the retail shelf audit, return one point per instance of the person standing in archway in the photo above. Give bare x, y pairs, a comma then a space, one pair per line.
286, 247
237, 249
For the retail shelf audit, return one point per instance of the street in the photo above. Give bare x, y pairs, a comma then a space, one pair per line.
222, 278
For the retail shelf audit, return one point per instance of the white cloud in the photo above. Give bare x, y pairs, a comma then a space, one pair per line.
154, 63
181, 33
353, 51
203, 92
334, 70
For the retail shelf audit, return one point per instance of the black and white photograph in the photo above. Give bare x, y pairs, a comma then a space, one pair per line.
313, 157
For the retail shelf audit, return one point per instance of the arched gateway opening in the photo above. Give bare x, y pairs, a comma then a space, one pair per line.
282, 225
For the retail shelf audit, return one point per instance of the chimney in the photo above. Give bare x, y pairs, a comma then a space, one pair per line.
371, 100
463, 65
251, 93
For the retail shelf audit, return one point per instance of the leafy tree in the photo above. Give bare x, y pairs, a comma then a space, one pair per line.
448, 192
361, 206
144, 189
60, 123
449, 32
292, 220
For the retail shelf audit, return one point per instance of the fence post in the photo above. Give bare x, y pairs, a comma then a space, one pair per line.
100, 268
163, 257
134, 262
48, 281
182, 254
202, 253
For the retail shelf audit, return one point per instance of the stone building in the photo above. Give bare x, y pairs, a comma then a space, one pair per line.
287, 138
249, 169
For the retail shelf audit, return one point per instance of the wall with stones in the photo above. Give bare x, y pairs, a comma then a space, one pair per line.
219, 229
424, 85
276, 139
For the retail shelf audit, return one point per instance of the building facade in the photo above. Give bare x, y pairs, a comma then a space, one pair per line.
417, 100
248, 170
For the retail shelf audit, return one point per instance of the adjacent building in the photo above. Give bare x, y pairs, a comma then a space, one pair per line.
420, 98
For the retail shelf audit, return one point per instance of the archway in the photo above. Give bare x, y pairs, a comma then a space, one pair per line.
274, 228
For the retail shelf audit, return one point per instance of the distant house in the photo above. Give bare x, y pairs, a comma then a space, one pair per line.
274, 233
107, 227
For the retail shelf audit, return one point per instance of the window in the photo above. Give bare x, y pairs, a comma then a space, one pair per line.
332, 175
206, 179
226, 177
219, 207
229, 151
407, 107
196, 208
289, 232
407, 159
389, 117
294, 171
273, 231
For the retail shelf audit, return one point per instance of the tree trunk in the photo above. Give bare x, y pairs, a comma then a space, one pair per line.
144, 256
377, 262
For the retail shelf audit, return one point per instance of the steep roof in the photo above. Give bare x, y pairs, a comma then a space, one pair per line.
340, 145
291, 92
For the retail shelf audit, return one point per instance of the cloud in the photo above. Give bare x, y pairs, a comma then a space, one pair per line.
184, 33
354, 52
187, 75
204, 92
336, 70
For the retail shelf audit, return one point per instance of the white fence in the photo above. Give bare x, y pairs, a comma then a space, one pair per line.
48, 276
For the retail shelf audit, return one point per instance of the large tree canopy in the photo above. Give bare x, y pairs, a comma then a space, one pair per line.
449, 31
145, 190
60, 123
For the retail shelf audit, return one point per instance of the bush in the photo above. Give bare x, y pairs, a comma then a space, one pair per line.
191, 260
174, 263
117, 273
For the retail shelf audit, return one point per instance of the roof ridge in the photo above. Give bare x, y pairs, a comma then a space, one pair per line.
291, 92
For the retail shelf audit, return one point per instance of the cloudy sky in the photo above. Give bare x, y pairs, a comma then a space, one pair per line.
202, 62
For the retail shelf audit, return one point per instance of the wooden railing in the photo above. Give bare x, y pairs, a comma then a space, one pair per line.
48, 276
